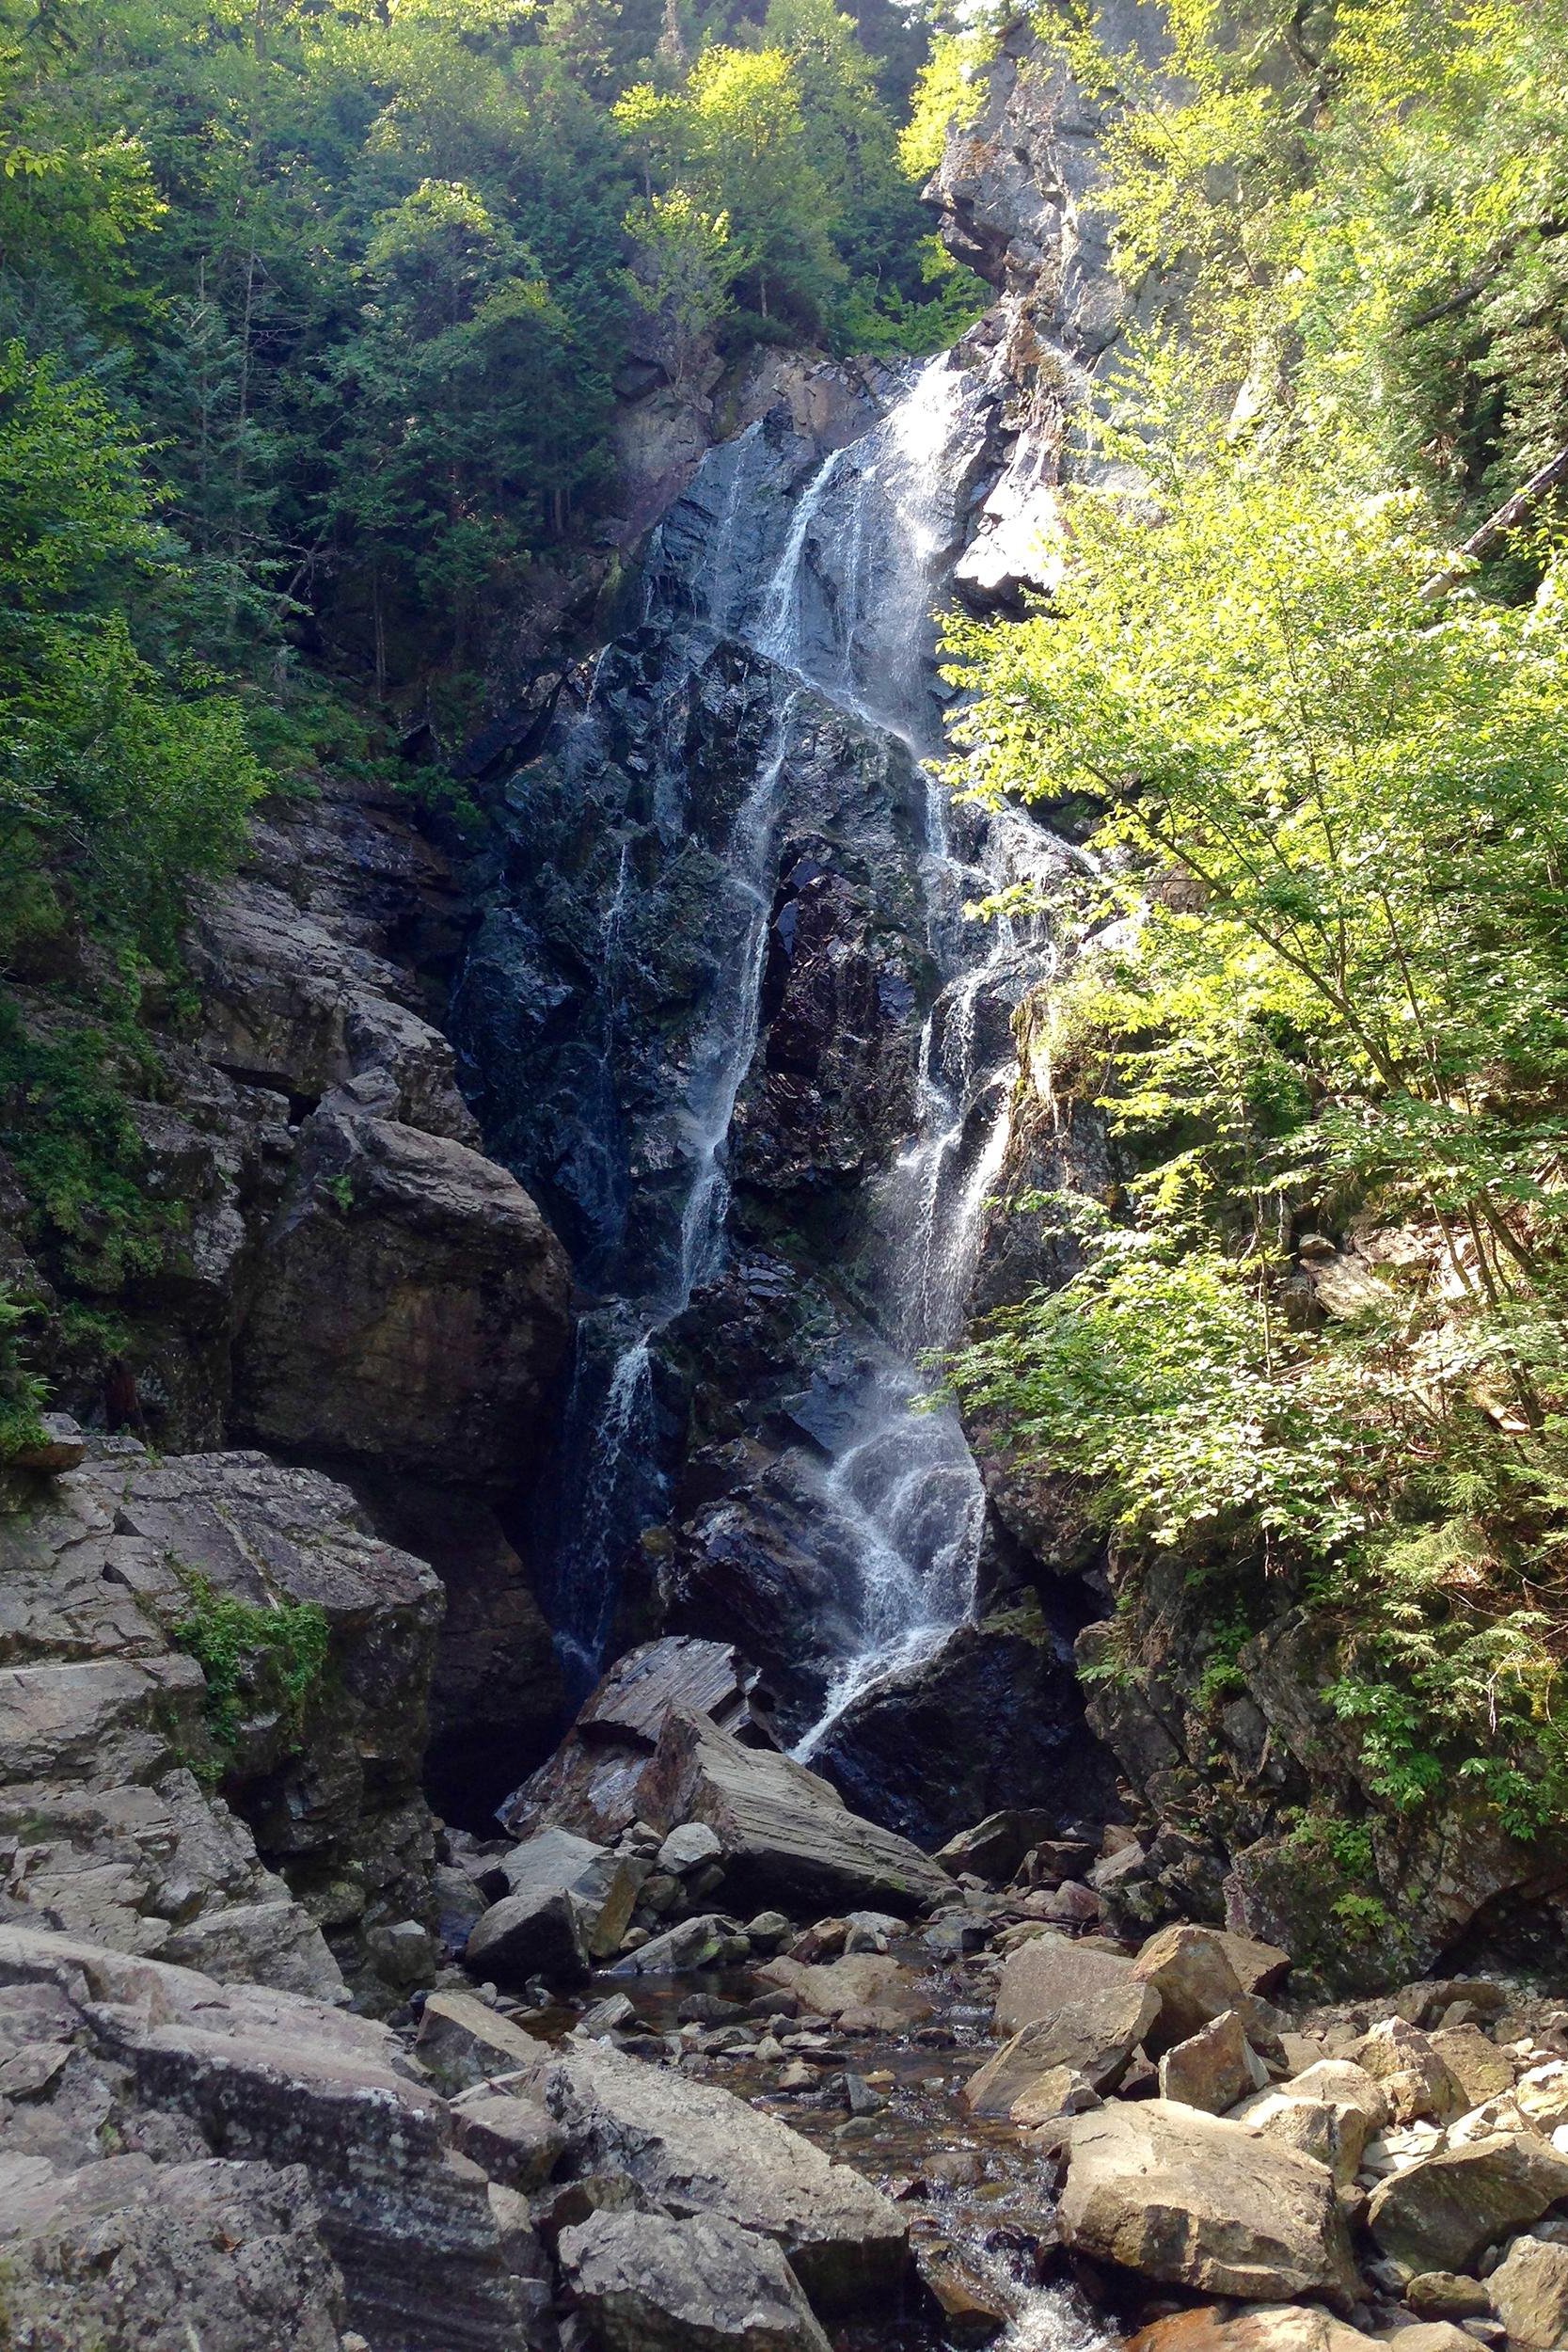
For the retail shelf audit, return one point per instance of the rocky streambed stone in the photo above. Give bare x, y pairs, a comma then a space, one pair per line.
647, 2283
694, 2149
1199, 2201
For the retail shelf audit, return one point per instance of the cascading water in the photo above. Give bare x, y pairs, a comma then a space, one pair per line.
832, 599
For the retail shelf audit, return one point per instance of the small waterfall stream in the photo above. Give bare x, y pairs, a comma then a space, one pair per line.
838, 613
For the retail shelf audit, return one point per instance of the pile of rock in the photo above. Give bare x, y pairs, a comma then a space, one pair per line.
1405, 2172
181, 2159
716, 1821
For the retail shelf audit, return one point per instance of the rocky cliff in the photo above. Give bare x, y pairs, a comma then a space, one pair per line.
1252, 1802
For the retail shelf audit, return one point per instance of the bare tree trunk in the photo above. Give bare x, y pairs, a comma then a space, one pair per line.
1508, 517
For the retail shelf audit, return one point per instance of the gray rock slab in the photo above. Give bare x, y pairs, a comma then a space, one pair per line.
647, 2283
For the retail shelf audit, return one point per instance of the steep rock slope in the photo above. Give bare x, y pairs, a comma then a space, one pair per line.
1230, 1753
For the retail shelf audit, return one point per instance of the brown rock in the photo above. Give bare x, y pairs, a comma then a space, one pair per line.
1328, 2120
1428, 2335
1260, 1967
1258, 2328
1482, 2070
1043, 1975
994, 1847
412, 1306
1213, 2068
1443, 2295
1444, 2210
863, 1980
1529, 2292
1095, 2036
1190, 1970
1195, 2200
1417, 2083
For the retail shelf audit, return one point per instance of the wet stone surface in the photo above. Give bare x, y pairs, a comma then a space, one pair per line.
978, 2195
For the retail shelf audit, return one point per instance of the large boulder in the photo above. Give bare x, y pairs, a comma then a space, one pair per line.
694, 2149
411, 1307
1329, 2112
1050, 1970
191, 2069
1260, 2328
164, 2256
1415, 2078
1213, 2068
591, 1783
1094, 2037
647, 2283
993, 1848
1444, 2210
602, 1885
537, 1933
1196, 2200
919, 1747
786, 1835
110, 1580
1190, 1971
1529, 2293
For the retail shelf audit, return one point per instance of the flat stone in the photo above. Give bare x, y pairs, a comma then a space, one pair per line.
61, 1446
860, 1980
1446, 2209
298, 2084
1043, 1975
1196, 2200
1094, 2037
1427, 2335
647, 2283
463, 2041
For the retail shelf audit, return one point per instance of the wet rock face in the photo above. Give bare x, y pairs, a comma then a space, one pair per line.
589, 993
991, 1720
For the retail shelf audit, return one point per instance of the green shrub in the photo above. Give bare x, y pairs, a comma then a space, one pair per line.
253, 1658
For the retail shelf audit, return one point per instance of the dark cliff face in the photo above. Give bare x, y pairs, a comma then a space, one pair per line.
725, 1016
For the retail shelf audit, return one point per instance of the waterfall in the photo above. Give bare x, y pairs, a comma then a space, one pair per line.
821, 582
